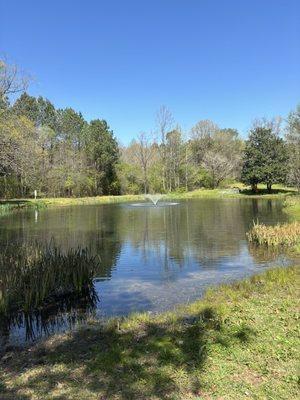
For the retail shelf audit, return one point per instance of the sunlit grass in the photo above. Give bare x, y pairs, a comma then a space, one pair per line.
292, 206
238, 342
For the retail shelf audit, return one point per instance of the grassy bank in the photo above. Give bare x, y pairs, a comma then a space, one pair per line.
238, 191
238, 342
292, 207
7, 206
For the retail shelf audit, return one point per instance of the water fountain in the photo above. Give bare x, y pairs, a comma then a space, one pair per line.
154, 198
155, 201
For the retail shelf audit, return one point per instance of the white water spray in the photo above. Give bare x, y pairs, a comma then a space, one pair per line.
154, 198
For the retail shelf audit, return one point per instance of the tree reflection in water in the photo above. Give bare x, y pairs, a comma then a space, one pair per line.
148, 257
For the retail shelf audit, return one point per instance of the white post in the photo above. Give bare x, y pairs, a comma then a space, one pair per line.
35, 194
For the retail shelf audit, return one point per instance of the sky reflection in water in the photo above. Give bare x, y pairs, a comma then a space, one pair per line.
152, 258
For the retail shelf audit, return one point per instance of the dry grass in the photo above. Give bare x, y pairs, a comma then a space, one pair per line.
279, 235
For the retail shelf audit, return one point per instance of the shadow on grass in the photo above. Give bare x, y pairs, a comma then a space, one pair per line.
154, 360
261, 192
16, 202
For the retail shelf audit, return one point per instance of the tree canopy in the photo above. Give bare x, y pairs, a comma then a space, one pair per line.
265, 158
59, 153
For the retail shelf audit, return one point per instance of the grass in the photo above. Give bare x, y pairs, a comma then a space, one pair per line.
287, 234
239, 342
292, 207
17, 204
279, 235
278, 191
32, 276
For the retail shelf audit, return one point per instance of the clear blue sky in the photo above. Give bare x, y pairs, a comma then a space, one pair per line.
225, 60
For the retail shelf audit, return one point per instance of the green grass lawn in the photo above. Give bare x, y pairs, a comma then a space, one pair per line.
241, 341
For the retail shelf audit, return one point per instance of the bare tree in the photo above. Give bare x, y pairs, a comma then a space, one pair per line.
274, 124
143, 151
165, 123
218, 165
204, 128
201, 138
224, 157
293, 141
12, 79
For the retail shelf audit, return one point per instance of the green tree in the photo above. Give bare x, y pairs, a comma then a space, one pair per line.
27, 106
70, 127
103, 155
265, 159
38, 110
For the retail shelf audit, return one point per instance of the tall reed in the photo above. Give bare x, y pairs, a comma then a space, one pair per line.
33, 276
279, 235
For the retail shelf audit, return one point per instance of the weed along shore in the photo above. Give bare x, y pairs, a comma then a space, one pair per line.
281, 235
239, 341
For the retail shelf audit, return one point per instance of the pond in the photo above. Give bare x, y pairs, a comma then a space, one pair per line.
151, 258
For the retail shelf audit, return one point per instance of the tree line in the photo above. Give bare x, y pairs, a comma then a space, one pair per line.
58, 153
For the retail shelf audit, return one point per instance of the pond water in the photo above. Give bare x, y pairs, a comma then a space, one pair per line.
152, 258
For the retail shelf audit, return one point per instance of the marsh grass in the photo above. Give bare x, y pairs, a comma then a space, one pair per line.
287, 234
33, 276
238, 342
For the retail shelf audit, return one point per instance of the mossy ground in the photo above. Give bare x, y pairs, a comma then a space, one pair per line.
240, 341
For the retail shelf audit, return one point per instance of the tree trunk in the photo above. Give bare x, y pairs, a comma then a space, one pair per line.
254, 187
269, 187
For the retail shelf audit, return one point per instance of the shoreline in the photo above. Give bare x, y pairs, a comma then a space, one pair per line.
238, 340
253, 319
13, 205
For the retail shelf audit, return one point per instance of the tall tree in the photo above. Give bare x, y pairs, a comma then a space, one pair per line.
70, 127
143, 151
165, 122
28, 107
201, 139
38, 110
175, 158
293, 140
103, 154
265, 159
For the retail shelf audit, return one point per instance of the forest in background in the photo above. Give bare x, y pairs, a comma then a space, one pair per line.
58, 153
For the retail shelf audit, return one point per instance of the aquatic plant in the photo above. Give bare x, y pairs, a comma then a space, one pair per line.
287, 234
34, 276
5, 208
